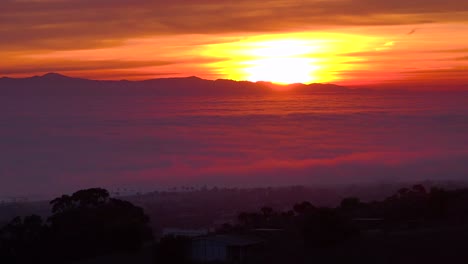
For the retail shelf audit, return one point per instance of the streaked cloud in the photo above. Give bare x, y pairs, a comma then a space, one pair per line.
85, 38
80, 24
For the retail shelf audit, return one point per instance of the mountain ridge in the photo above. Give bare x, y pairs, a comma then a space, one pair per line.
56, 83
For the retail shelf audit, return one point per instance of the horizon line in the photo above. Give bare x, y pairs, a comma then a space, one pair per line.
162, 78
395, 86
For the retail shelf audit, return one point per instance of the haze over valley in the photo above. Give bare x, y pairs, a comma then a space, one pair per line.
151, 135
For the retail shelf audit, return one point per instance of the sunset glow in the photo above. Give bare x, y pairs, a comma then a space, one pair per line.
157, 93
282, 70
288, 58
312, 41
283, 61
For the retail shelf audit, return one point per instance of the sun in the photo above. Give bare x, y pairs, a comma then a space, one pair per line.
282, 62
301, 57
281, 70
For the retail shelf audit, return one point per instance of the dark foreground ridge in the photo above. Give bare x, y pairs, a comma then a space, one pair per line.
414, 225
57, 84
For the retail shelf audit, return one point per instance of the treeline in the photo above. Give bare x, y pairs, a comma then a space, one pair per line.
202, 208
412, 225
86, 224
408, 208
89, 223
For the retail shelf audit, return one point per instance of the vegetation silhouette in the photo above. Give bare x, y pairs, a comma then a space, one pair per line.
22, 240
412, 225
86, 224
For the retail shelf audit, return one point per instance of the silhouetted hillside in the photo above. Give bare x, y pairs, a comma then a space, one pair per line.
57, 84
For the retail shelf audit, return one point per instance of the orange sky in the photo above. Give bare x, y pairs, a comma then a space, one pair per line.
339, 41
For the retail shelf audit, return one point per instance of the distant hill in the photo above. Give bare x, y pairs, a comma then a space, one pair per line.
57, 84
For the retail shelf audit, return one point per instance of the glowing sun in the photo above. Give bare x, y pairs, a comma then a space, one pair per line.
281, 61
286, 58
281, 70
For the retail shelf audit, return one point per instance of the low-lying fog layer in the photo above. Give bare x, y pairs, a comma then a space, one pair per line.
52, 145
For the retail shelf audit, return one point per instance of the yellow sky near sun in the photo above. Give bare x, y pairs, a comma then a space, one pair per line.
282, 58
287, 58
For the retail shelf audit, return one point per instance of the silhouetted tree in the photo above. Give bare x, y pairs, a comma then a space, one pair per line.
22, 240
267, 211
86, 224
350, 203
301, 208
438, 203
325, 227
95, 224
418, 188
